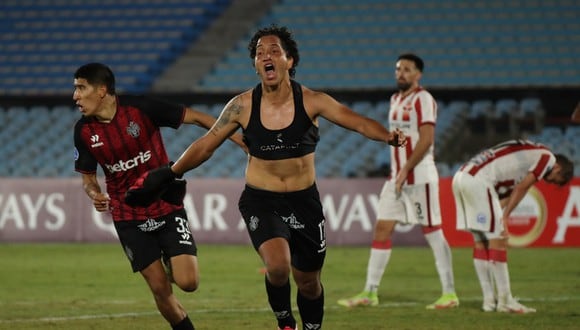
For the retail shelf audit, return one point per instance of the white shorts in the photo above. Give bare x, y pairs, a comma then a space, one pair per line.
478, 206
417, 204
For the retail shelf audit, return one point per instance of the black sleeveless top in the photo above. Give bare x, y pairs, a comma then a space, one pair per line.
296, 140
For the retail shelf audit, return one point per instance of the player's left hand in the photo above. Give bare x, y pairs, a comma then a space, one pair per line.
505, 234
400, 180
150, 186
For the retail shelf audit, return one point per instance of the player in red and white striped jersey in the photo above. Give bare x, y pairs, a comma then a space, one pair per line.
486, 190
411, 194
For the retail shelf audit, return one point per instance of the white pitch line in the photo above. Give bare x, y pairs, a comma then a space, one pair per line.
79, 317
241, 310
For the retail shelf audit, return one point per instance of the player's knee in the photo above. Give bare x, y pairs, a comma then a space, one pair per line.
383, 230
188, 284
278, 274
503, 243
310, 289
498, 243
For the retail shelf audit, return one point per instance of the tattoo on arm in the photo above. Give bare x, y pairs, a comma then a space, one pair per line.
232, 110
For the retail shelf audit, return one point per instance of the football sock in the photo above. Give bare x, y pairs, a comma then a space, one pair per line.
279, 299
378, 260
311, 311
499, 268
443, 259
483, 270
184, 324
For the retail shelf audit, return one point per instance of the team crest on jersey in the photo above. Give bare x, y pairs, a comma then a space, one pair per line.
407, 112
293, 222
253, 223
133, 129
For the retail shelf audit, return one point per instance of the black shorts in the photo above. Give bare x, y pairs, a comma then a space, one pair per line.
144, 241
296, 216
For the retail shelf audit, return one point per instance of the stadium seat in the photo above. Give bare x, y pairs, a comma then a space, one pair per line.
43, 42
496, 46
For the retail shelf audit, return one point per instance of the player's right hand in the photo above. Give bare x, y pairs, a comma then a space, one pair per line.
101, 202
150, 186
397, 138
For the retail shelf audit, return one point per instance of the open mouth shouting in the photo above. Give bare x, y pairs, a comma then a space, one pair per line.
270, 71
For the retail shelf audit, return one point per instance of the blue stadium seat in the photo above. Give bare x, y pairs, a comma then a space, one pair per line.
482, 108
506, 107
42, 42
340, 152
530, 106
350, 45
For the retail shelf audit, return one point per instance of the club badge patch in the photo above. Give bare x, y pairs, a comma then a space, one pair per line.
253, 223
133, 129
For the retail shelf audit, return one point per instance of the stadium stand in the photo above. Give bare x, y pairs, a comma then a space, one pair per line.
169, 46
42, 138
43, 42
465, 43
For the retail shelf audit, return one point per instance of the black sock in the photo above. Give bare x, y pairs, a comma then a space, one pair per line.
184, 324
311, 311
279, 299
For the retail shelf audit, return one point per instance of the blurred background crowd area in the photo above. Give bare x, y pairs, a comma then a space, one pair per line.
498, 70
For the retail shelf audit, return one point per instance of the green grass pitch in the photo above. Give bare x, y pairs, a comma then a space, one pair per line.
91, 286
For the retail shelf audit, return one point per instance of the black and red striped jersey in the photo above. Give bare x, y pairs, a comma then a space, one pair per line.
127, 147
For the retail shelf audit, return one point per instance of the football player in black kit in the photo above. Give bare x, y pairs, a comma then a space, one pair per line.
280, 203
121, 133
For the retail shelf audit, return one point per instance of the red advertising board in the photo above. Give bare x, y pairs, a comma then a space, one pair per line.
57, 210
547, 216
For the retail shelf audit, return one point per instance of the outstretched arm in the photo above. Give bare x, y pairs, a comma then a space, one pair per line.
196, 117
340, 114
202, 149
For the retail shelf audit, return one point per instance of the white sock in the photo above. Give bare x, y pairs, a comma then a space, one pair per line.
443, 259
482, 268
502, 280
378, 261
499, 269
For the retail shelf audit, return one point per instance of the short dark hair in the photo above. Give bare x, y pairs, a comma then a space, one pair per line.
97, 74
288, 43
414, 58
567, 168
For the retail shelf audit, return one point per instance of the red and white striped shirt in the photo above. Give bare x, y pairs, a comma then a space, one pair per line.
507, 163
408, 114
